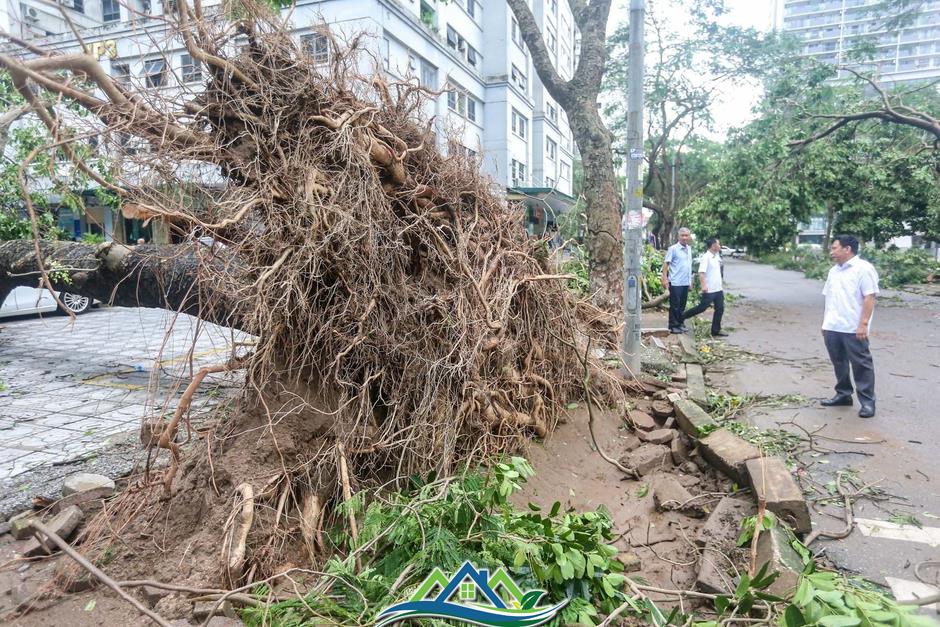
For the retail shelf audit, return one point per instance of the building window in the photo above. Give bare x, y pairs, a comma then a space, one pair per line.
110, 11
428, 75
386, 52
452, 37
473, 57
78, 5
520, 125
553, 112
550, 39
516, 33
549, 181
565, 173
518, 173
190, 69
428, 16
553, 6
121, 73
472, 8
461, 103
519, 79
551, 149
317, 45
155, 73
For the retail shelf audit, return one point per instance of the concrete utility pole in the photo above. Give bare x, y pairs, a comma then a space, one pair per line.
633, 218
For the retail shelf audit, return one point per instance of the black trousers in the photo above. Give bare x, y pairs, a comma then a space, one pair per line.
711, 298
847, 350
678, 297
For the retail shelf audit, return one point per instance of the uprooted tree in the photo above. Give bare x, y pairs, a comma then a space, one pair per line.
404, 321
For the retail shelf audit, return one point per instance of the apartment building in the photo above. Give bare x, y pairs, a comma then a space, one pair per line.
830, 29
492, 102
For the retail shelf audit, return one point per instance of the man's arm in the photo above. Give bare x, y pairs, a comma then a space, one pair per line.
868, 307
666, 274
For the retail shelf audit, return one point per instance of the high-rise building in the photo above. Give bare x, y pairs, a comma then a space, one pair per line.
491, 99
831, 29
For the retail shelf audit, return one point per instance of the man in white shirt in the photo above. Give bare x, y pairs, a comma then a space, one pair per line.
712, 291
850, 292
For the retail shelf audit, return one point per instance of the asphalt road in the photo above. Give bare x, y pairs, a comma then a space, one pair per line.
779, 318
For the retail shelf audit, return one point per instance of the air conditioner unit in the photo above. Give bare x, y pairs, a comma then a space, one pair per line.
32, 15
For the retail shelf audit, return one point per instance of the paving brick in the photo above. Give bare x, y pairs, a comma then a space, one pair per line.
723, 525
713, 576
771, 480
657, 436
728, 453
773, 547
642, 420
688, 352
62, 524
693, 420
648, 458
670, 496
679, 451
696, 385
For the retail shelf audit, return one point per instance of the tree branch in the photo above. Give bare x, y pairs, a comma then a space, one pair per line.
541, 60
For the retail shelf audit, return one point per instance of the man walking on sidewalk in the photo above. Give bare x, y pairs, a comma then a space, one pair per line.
677, 277
850, 293
712, 290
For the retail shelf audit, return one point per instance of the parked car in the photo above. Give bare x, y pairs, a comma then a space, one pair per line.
727, 251
32, 300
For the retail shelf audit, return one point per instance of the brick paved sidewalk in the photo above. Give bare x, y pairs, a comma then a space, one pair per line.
65, 390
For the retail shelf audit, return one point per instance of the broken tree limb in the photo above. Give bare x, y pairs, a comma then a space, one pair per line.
127, 276
91, 568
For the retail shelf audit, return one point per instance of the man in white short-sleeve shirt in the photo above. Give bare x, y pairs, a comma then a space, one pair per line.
712, 290
850, 292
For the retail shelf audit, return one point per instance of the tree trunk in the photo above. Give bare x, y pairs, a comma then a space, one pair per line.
830, 218
165, 277
602, 207
578, 97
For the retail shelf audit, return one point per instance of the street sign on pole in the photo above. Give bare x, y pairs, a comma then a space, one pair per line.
633, 219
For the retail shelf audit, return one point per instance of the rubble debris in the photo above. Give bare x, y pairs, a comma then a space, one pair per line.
688, 352
713, 577
62, 524
722, 527
659, 436
21, 525
83, 482
670, 496
642, 420
679, 449
662, 409
647, 458
630, 560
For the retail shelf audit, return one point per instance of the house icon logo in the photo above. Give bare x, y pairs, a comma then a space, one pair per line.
472, 596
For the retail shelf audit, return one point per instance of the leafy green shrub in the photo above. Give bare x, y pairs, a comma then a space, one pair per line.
895, 267
577, 264
15, 226
92, 238
444, 522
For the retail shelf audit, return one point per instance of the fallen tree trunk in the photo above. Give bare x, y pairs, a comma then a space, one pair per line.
163, 277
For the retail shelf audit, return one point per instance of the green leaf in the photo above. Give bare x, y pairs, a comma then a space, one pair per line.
839, 621
793, 617
519, 558
90, 605
556, 506
804, 592
571, 406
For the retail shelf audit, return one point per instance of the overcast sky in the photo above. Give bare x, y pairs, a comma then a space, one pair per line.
735, 103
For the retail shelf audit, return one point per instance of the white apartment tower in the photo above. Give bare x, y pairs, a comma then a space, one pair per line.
492, 99
830, 29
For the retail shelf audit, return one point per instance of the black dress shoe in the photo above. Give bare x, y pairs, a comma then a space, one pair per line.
676, 331
720, 334
836, 400
867, 411
684, 329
